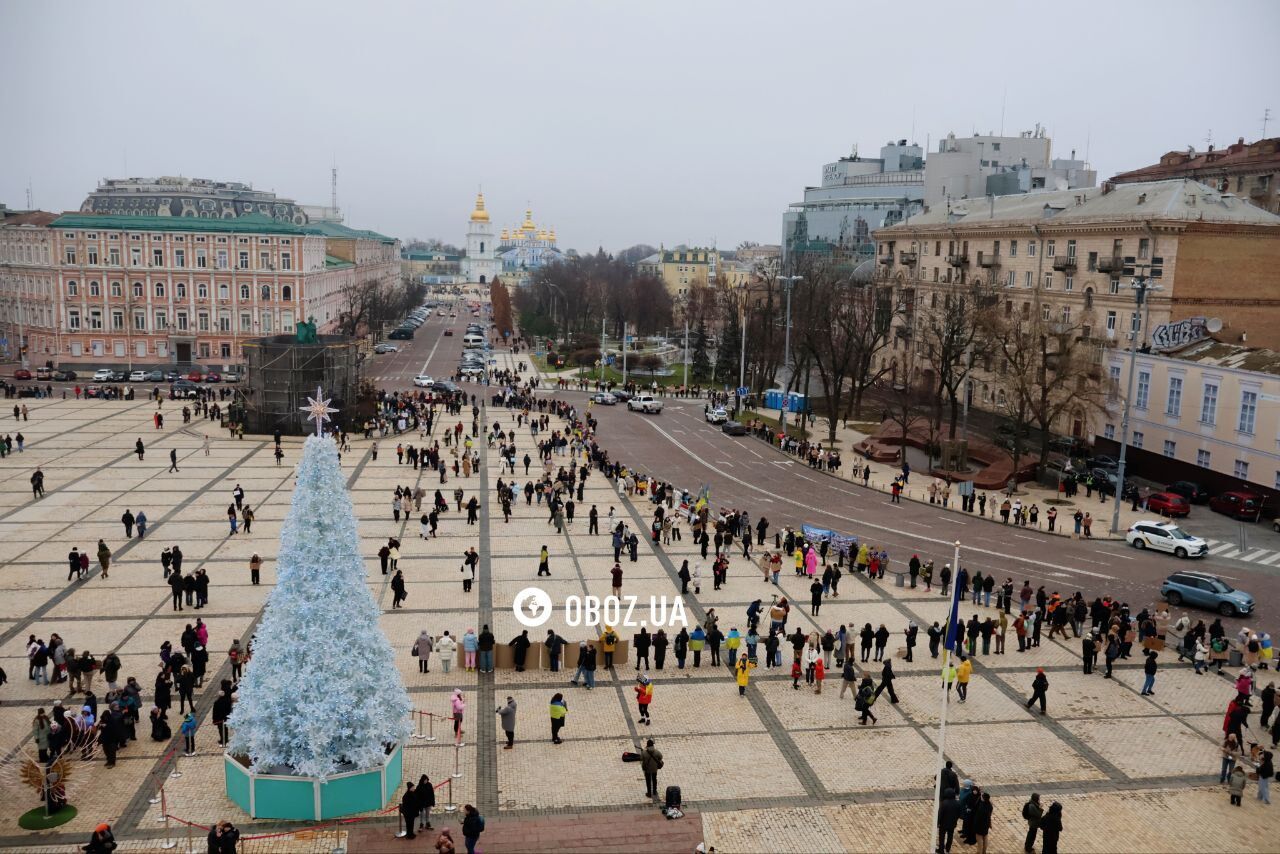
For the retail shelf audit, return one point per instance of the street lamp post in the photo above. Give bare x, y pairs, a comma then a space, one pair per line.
1141, 285
788, 282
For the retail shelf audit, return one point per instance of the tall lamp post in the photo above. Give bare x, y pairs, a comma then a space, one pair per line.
788, 282
742, 349
1140, 285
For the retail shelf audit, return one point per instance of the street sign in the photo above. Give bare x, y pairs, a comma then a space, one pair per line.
742, 391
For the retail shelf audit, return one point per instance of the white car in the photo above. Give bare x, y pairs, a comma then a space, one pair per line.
442, 313
605, 398
423, 381
471, 371
717, 415
385, 348
138, 377
1165, 537
103, 375
645, 403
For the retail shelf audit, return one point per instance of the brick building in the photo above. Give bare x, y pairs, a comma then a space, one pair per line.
1249, 171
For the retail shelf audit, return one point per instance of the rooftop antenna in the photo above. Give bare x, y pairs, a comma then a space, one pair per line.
1088, 136
913, 124
1266, 117
1003, 100
30, 205
333, 187
1208, 138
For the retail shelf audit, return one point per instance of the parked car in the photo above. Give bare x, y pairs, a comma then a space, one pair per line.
22, 374
64, 376
1238, 505
384, 347
605, 398
1165, 537
102, 375
1206, 591
716, 416
471, 370
231, 376
195, 377
1069, 447
444, 386
1168, 504
44, 373
733, 428
92, 391
138, 377
155, 376
1190, 490
213, 377
423, 381
171, 375
185, 388
622, 395
1104, 462
401, 334
119, 376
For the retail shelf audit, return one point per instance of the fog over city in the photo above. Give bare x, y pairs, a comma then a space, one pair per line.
661, 122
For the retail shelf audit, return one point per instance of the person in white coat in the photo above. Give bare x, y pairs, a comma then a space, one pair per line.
447, 648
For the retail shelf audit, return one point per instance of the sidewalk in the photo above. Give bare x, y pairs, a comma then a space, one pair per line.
1030, 492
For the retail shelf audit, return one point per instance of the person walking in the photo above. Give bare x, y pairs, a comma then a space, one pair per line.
188, 730
458, 707
650, 764
1039, 690
865, 699
1149, 668
886, 682
127, 519
472, 827
963, 673
104, 557
399, 593
948, 817
173, 461
507, 716
141, 523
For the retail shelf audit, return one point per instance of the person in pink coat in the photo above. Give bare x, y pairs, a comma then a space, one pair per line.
459, 706
811, 562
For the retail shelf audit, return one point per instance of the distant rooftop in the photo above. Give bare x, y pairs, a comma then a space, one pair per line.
1212, 163
247, 224
1222, 355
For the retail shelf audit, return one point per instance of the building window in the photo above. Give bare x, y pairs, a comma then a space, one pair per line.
180, 289
1135, 322
1031, 249
202, 290
203, 321
285, 262
1174, 407
1115, 374
1068, 283
1202, 459
1144, 389
243, 263
1048, 281
204, 346
162, 321
1066, 315
224, 291
1045, 311
1071, 249
286, 294
1013, 249
202, 259
1114, 287
1109, 431
224, 349
246, 322
157, 257
113, 256
244, 292
73, 320
1026, 280
117, 320
1169, 448
179, 257
1137, 439
71, 255
95, 319
1241, 470
1111, 323
140, 321
1049, 248
1209, 404
265, 293
224, 322
1248, 411
95, 289
264, 260
266, 322
117, 289
1009, 281
137, 290
73, 289
160, 290
182, 321
222, 259
1144, 247
93, 256
135, 256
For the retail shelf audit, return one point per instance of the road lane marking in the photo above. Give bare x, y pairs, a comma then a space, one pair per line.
1025, 537
953, 521
1113, 554
1252, 556
1087, 560
865, 524
1269, 561
1221, 548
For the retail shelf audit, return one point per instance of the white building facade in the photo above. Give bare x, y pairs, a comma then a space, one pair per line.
481, 262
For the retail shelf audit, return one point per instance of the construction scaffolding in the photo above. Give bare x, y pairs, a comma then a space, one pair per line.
282, 374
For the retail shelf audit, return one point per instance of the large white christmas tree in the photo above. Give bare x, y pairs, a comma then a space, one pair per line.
322, 693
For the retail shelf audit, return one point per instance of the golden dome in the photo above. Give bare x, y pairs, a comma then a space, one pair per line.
552, 235
503, 236
479, 214
528, 221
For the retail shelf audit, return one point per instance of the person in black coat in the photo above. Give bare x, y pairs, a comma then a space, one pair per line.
426, 800
948, 816
223, 837
409, 809
520, 649
1051, 828
397, 589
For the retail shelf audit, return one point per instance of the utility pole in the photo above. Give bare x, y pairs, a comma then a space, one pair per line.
788, 282
1141, 284
742, 353
624, 354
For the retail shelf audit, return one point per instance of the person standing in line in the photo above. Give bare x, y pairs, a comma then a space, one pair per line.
426, 800
650, 764
447, 648
1039, 690
409, 810
188, 730
507, 716
255, 569
422, 649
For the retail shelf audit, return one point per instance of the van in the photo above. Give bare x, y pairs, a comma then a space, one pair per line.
473, 340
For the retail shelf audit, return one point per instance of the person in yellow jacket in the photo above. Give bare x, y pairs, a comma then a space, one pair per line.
963, 672
864, 558
799, 561
608, 643
949, 676
743, 674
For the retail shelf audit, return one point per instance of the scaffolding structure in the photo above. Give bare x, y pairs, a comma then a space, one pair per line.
282, 374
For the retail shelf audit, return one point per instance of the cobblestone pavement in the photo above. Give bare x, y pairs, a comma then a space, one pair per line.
778, 770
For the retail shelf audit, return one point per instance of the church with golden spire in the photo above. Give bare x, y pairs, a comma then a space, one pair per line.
481, 261
525, 248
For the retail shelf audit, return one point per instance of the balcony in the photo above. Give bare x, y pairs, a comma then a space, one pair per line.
958, 260
988, 261
886, 259
1109, 265
1065, 263
908, 258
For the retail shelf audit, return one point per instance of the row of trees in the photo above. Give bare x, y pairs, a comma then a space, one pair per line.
368, 302
575, 297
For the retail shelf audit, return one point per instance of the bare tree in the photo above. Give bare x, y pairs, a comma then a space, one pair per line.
952, 334
369, 301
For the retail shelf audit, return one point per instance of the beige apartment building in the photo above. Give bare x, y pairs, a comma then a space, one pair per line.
1070, 256
28, 321
1209, 413
682, 268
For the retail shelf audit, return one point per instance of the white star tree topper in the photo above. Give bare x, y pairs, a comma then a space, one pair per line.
319, 410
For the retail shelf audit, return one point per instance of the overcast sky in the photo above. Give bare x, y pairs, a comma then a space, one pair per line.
694, 121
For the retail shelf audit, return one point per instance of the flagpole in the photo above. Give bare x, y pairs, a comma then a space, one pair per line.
947, 645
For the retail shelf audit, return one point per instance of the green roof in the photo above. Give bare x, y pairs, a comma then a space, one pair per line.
331, 261
248, 224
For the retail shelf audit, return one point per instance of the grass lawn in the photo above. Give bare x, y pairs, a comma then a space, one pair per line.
792, 430
615, 375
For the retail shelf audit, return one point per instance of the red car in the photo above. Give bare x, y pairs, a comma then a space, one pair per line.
1168, 504
1238, 505
196, 377
22, 374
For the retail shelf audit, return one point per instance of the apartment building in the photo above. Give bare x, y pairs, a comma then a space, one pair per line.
143, 291
28, 322
682, 268
1250, 171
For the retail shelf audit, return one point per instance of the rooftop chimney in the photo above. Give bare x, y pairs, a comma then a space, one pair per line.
1142, 198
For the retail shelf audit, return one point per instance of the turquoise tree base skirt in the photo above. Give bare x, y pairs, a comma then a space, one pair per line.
309, 798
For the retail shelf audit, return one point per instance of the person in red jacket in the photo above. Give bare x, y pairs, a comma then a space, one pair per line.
644, 696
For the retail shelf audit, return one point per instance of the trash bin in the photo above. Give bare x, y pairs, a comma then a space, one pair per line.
898, 579
1235, 657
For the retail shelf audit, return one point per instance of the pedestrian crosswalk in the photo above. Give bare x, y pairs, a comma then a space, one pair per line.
1230, 550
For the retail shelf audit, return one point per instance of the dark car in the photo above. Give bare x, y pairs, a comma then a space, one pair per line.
1238, 505
28, 391
1190, 490
733, 428
448, 332
185, 388
444, 386
22, 374
1104, 462
401, 334
119, 376
622, 395
64, 376
1168, 504
170, 376
1069, 447
213, 377
155, 376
